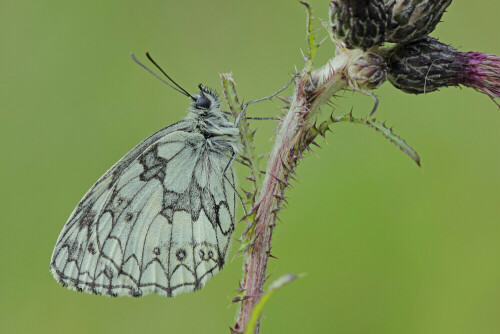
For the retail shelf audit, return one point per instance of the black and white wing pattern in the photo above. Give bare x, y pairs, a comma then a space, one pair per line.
159, 221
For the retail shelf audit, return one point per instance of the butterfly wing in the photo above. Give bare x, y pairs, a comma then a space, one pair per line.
159, 221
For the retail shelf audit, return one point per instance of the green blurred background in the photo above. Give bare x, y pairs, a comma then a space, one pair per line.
387, 247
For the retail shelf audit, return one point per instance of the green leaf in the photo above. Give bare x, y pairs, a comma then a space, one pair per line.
380, 128
311, 42
395, 139
273, 287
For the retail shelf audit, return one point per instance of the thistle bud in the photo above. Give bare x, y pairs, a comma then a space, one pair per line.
413, 19
360, 24
367, 71
425, 65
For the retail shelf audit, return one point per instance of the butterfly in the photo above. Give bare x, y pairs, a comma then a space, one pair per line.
160, 220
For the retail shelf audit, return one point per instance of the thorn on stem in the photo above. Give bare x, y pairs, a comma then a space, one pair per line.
239, 299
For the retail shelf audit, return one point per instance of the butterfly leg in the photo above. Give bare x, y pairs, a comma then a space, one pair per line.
238, 119
264, 118
233, 157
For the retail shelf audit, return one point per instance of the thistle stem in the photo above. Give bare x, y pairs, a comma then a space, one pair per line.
315, 89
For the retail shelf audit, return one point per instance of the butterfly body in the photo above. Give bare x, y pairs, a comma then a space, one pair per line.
160, 220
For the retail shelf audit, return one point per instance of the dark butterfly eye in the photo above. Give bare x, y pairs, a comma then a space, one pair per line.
203, 102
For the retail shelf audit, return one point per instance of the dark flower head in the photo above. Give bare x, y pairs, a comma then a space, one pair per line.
425, 65
359, 24
367, 71
413, 19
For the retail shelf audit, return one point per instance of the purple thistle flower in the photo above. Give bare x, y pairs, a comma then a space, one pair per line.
483, 73
425, 65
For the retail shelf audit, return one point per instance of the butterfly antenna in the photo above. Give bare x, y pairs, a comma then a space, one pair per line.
169, 78
181, 90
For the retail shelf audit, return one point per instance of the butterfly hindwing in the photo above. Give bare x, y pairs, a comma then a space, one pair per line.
159, 220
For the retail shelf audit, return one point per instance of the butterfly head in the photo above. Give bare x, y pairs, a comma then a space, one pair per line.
205, 100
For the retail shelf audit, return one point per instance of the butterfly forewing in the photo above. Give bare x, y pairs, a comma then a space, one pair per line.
160, 220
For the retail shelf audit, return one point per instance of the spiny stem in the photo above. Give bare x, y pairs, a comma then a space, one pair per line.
246, 135
314, 89
355, 68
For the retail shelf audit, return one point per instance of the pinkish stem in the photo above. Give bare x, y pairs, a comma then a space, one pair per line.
314, 90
